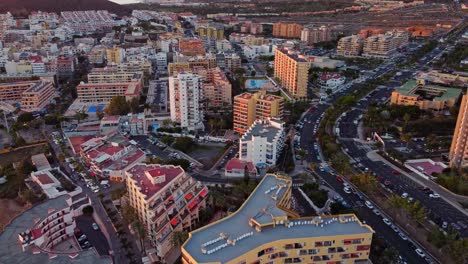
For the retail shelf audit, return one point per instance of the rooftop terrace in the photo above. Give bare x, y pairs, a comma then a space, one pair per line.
233, 236
411, 87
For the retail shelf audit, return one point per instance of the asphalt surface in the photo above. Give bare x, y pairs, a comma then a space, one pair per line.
313, 118
95, 237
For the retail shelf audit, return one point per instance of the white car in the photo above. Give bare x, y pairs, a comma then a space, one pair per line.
369, 205
420, 253
95, 226
376, 211
403, 236
434, 196
386, 221
404, 195
347, 190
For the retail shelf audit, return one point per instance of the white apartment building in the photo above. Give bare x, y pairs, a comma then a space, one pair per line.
252, 51
263, 142
161, 61
185, 93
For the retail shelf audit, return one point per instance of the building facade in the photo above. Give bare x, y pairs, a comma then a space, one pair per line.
186, 95
312, 35
249, 107
287, 30
292, 69
32, 95
166, 200
115, 55
263, 142
266, 230
459, 150
104, 92
350, 46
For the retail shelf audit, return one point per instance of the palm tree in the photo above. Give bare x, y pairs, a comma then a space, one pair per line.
302, 153
140, 230
178, 238
406, 118
406, 137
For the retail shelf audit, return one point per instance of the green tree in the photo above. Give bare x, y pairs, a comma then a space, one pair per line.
88, 210
178, 238
134, 105
406, 118
25, 117
302, 153
185, 144
246, 174
168, 140
141, 232
129, 213
117, 194
118, 106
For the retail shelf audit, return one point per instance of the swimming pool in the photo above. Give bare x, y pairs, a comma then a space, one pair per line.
94, 108
255, 84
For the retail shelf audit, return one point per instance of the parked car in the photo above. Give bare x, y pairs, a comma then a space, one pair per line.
444, 225
434, 195
403, 236
395, 172
82, 238
369, 205
95, 226
404, 195
386, 221
347, 190
376, 211
420, 252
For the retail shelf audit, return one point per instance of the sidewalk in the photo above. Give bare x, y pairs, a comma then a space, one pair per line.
445, 194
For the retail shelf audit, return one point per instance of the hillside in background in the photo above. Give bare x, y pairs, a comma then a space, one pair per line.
23, 7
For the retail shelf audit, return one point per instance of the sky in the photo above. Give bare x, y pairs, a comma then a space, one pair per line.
125, 1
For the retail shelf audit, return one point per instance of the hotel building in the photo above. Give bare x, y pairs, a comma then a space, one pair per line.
104, 92
459, 150
250, 107
186, 95
263, 142
292, 69
166, 200
265, 230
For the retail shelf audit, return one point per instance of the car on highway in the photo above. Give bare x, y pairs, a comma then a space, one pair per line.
420, 253
386, 221
434, 195
95, 226
369, 205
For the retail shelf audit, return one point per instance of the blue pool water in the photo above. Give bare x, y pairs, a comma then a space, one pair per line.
94, 108
256, 84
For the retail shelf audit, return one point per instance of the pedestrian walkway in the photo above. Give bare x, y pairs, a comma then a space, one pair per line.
451, 198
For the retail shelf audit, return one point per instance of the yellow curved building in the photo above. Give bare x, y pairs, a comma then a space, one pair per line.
266, 230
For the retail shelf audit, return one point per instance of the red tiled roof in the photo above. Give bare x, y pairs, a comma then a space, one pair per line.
237, 164
44, 179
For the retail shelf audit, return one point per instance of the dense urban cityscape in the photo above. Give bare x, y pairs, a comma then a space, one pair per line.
244, 132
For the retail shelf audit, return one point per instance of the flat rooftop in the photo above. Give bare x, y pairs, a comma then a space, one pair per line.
261, 207
262, 128
411, 87
11, 252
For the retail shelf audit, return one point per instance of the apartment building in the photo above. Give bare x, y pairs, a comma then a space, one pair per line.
266, 230
186, 96
114, 75
263, 142
104, 92
249, 107
144, 67
115, 55
232, 61
191, 47
292, 69
425, 96
214, 32
287, 30
217, 90
38, 96
312, 35
350, 46
32, 95
252, 28
109, 157
57, 224
166, 200
459, 150
66, 66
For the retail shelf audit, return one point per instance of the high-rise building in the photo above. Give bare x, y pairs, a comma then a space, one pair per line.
265, 229
186, 96
459, 150
292, 69
250, 107
350, 46
383, 45
33, 95
263, 142
287, 30
166, 200
312, 35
